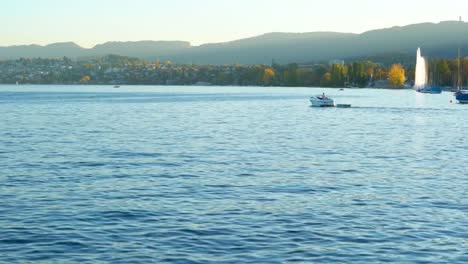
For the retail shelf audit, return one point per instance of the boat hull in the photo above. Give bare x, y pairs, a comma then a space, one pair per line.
462, 97
316, 102
430, 90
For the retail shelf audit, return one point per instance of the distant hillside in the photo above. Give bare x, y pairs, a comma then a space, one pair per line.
55, 50
141, 49
281, 47
436, 40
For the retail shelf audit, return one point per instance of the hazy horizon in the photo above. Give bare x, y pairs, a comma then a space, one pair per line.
88, 23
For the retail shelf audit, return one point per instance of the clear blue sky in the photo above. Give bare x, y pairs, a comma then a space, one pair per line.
90, 22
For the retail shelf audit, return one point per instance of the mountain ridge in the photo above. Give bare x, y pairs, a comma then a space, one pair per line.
436, 39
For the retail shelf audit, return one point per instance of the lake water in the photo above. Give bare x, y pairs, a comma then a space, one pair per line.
92, 174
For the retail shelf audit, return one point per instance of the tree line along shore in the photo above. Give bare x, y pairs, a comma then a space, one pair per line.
120, 70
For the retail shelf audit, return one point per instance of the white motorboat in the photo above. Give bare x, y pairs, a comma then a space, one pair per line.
322, 101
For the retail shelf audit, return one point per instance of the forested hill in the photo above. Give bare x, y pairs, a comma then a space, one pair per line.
436, 40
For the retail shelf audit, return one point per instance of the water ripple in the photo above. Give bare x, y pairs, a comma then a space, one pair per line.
230, 175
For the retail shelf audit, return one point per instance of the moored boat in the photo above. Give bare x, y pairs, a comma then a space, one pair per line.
462, 96
430, 90
322, 101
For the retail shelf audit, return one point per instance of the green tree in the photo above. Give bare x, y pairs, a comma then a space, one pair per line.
444, 72
339, 75
290, 75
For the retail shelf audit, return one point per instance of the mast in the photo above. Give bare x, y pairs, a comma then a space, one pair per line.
459, 63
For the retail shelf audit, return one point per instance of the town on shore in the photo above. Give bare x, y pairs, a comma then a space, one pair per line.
120, 70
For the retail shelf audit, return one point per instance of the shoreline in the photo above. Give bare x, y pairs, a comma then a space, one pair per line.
171, 85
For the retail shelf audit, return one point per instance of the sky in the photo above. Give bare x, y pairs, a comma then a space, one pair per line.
91, 22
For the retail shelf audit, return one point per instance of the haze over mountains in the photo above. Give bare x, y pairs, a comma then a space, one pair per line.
436, 40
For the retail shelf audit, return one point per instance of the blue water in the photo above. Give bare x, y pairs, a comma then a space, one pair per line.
231, 175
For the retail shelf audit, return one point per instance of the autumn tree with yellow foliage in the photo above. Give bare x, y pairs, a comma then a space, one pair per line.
85, 79
268, 76
396, 75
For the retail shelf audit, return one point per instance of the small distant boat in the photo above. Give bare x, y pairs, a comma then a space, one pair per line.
430, 90
322, 101
462, 96
343, 105
116, 86
341, 89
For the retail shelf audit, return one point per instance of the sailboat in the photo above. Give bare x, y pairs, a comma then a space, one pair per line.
460, 95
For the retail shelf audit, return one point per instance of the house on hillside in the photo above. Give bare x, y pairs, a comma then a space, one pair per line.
336, 62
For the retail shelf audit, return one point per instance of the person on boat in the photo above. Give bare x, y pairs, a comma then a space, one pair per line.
323, 96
